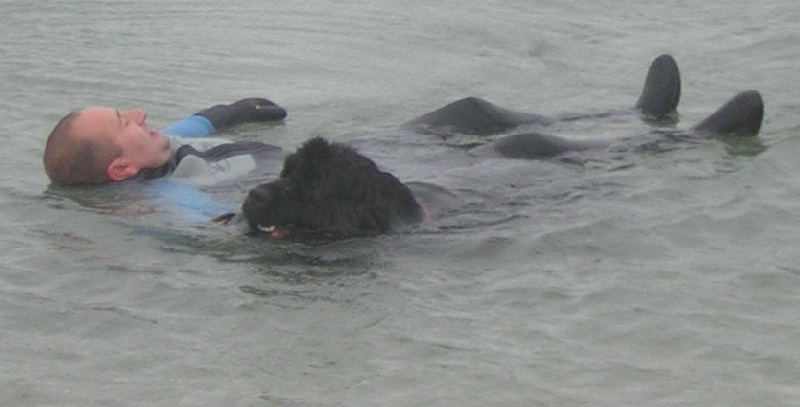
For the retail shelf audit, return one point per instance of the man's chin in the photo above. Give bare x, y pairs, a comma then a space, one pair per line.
163, 141
164, 155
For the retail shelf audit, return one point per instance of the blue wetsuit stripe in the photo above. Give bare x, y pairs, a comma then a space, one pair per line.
188, 200
192, 126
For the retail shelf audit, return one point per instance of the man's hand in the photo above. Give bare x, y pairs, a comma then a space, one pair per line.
243, 111
258, 109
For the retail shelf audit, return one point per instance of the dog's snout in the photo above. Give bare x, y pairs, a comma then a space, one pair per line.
255, 206
260, 195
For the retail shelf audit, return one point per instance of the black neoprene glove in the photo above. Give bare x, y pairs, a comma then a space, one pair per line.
243, 111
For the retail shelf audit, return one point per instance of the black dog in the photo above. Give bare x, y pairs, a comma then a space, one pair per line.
329, 190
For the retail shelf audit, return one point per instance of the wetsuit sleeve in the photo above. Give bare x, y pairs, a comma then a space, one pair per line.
221, 117
192, 126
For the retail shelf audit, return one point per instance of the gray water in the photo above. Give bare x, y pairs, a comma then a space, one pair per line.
654, 280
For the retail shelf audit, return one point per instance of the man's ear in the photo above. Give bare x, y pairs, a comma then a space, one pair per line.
121, 169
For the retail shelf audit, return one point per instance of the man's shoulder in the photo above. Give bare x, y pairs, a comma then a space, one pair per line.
199, 170
199, 143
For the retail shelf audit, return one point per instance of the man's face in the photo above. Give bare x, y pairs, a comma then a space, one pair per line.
141, 145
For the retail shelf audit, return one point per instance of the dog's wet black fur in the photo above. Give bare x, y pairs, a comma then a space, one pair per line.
328, 190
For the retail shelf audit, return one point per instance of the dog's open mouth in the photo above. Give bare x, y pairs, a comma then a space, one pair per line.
273, 231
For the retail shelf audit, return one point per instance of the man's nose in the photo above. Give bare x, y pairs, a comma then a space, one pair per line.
137, 116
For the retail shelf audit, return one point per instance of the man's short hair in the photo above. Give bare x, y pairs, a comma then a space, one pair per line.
76, 159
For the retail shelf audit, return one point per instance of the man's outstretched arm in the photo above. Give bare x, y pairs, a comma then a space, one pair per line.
221, 117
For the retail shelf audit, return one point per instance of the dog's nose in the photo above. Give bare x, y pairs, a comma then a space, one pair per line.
259, 195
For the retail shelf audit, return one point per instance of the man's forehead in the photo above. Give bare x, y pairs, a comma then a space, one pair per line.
99, 111
96, 119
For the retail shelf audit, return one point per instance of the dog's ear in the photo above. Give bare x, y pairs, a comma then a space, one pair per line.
399, 199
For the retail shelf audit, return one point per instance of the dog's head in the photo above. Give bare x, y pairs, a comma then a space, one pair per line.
329, 190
